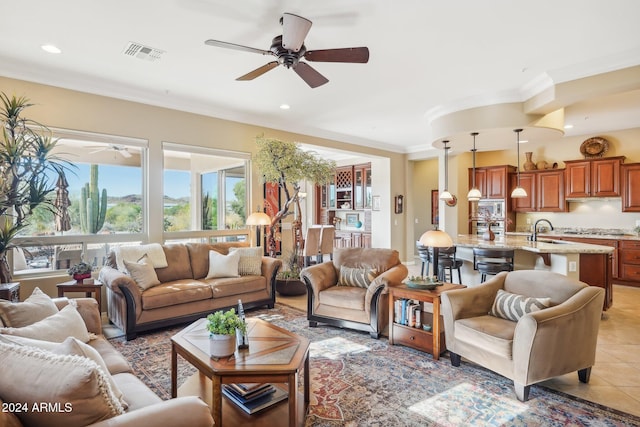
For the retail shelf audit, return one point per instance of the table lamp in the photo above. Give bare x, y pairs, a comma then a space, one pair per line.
436, 239
259, 219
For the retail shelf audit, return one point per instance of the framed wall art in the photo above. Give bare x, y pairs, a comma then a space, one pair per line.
434, 207
352, 219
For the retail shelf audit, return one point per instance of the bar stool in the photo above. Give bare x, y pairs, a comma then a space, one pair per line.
491, 261
447, 261
425, 256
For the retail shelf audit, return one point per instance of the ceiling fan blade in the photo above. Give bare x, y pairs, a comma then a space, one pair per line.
310, 75
259, 71
349, 54
294, 30
234, 46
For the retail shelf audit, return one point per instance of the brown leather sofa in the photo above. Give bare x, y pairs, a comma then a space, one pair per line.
145, 408
361, 308
184, 294
541, 344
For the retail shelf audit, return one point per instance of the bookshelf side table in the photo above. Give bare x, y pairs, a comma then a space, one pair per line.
428, 341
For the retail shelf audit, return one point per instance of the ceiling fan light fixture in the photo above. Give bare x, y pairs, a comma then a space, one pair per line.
518, 192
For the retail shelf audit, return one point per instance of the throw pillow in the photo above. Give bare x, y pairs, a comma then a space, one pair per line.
65, 323
18, 314
223, 265
72, 390
359, 277
513, 306
250, 261
70, 346
142, 272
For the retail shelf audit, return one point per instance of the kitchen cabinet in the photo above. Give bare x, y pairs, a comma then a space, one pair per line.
492, 181
629, 264
344, 188
630, 175
593, 177
347, 239
362, 186
545, 191
598, 269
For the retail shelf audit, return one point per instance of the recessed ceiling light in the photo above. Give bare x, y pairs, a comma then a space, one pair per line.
285, 106
50, 48
568, 126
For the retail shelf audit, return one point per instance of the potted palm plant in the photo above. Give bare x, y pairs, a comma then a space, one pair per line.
222, 326
28, 173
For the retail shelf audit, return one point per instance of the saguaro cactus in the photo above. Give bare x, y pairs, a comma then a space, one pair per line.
93, 208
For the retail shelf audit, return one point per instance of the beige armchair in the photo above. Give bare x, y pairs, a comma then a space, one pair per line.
540, 345
362, 307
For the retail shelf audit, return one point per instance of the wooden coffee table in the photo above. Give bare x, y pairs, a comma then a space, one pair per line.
275, 355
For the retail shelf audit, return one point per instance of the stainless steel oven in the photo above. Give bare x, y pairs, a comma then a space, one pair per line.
493, 208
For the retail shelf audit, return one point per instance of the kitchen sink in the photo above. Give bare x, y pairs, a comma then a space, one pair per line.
555, 242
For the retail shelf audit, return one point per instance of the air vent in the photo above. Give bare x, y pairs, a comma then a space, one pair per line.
140, 51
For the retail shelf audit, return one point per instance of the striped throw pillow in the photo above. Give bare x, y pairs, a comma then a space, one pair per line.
512, 306
358, 277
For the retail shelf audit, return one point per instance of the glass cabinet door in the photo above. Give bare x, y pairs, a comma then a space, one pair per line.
367, 188
359, 190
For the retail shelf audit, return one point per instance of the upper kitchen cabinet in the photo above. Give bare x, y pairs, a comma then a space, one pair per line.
630, 187
545, 191
492, 181
593, 177
344, 187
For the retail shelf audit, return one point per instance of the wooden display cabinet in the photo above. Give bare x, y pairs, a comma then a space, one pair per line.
428, 341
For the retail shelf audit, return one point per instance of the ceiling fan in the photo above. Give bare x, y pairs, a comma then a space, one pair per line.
120, 149
289, 48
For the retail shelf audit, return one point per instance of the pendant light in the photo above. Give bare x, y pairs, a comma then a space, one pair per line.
445, 195
474, 194
518, 192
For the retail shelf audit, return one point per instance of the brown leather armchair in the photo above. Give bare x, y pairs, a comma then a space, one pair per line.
540, 345
354, 307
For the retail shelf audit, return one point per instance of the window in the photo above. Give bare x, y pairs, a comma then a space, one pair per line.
113, 168
204, 190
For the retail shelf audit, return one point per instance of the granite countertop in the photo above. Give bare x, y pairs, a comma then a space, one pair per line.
518, 241
586, 234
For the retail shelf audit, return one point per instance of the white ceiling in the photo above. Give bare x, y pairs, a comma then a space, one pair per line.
427, 58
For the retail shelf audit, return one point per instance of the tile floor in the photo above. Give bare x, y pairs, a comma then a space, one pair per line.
615, 378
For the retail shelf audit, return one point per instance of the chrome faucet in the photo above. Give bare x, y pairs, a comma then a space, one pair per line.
534, 235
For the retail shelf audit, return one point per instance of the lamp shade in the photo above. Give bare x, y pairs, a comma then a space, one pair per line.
258, 218
445, 195
474, 195
436, 239
518, 193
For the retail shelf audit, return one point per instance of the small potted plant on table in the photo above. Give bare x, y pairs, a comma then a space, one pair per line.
222, 326
80, 271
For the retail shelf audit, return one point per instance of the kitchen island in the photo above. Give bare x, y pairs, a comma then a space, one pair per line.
586, 262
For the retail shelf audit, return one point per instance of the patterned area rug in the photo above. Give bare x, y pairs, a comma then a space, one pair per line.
359, 381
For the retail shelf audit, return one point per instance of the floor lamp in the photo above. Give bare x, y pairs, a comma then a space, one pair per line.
436, 239
259, 219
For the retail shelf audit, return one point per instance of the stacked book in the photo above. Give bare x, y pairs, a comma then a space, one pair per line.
253, 397
408, 312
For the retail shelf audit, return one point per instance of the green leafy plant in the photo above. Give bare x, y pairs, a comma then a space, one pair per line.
80, 268
28, 173
286, 164
292, 267
225, 322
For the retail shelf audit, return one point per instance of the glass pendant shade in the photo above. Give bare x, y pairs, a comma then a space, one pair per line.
518, 192
445, 195
474, 195
436, 239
